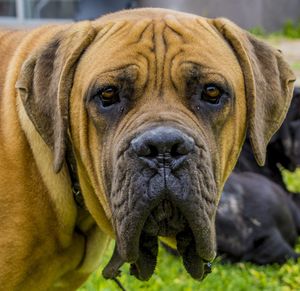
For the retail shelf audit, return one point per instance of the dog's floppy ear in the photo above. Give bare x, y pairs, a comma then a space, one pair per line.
45, 83
268, 84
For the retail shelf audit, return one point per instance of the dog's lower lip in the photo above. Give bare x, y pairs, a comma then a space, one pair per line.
142, 256
186, 246
144, 266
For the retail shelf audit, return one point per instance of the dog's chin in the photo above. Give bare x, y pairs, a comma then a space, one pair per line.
165, 220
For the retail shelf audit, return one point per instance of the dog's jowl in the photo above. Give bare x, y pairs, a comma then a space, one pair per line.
125, 128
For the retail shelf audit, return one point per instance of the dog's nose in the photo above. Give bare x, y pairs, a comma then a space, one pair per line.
163, 143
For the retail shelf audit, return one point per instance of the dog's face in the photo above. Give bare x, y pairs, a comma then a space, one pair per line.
161, 112
157, 116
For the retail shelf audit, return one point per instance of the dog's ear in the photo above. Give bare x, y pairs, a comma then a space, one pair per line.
45, 83
268, 84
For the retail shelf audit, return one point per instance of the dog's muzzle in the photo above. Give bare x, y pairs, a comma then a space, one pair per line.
164, 150
154, 196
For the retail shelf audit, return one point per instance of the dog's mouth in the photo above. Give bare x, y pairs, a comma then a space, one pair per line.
164, 220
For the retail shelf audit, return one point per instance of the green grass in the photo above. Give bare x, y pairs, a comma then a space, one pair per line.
170, 274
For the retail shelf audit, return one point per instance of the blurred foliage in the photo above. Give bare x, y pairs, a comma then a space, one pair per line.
292, 180
290, 29
295, 65
258, 31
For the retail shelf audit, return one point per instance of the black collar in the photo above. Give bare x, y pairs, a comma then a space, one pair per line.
72, 168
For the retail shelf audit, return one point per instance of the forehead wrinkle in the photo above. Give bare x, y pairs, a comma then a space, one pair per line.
174, 49
173, 23
172, 61
121, 46
142, 32
160, 51
146, 76
102, 31
125, 30
203, 22
123, 36
108, 30
189, 28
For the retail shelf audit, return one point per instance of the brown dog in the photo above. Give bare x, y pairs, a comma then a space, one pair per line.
148, 109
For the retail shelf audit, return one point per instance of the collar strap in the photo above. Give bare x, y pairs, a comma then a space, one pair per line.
72, 168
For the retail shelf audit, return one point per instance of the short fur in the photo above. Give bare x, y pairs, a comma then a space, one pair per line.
47, 241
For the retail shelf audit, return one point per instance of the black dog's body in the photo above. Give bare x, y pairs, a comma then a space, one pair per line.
258, 219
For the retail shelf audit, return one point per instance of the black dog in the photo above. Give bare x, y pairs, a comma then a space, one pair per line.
257, 219
284, 148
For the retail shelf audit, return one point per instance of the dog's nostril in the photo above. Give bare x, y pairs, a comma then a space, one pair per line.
175, 151
152, 152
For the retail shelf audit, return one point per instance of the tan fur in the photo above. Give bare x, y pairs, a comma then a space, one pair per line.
45, 212
46, 241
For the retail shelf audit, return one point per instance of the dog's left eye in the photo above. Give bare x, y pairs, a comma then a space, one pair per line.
211, 94
108, 96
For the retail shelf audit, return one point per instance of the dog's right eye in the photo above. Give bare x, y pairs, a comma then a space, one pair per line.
108, 96
211, 93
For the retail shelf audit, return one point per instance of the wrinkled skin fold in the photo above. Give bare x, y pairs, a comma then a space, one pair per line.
150, 201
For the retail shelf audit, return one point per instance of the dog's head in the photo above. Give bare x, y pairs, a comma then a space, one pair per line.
156, 104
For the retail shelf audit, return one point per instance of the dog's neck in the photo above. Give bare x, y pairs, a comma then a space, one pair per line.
72, 168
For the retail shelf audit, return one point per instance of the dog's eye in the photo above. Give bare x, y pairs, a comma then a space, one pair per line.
211, 94
108, 96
